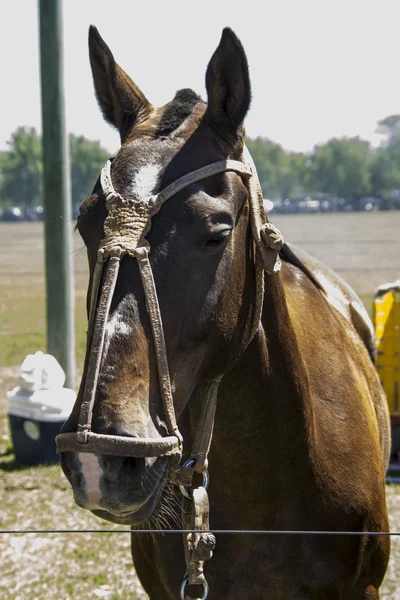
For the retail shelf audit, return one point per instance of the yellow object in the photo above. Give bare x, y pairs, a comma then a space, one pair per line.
387, 330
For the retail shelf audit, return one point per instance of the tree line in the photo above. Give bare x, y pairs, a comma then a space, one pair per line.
345, 168
21, 168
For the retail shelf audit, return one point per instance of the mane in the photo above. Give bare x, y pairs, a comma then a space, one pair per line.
290, 257
177, 111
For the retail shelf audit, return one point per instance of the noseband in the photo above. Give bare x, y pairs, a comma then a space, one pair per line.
125, 228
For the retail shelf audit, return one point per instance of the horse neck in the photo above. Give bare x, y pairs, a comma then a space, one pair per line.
264, 407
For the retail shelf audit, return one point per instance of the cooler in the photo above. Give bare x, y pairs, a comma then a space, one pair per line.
35, 419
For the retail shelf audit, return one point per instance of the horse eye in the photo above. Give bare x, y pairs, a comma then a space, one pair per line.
219, 238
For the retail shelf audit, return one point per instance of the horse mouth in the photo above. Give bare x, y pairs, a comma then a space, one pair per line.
141, 513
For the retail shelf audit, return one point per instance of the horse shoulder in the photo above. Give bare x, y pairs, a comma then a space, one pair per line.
343, 299
349, 426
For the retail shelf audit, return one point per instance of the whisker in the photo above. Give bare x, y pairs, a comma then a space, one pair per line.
79, 255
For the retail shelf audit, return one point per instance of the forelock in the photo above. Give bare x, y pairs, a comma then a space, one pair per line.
177, 111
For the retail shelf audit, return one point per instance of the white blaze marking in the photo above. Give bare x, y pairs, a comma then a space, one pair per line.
92, 473
145, 181
115, 327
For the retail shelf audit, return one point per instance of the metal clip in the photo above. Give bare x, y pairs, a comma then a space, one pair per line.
200, 544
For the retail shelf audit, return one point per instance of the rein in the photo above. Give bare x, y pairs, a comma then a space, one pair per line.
125, 228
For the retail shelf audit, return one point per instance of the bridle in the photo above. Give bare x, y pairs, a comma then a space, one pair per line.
125, 228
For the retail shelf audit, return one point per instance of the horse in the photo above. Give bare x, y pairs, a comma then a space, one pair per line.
207, 331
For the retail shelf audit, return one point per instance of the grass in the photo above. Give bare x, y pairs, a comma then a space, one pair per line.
22, 293
67, 567
88, 566
21, 337
367, 300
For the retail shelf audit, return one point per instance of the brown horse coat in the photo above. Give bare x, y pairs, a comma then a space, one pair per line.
301, 423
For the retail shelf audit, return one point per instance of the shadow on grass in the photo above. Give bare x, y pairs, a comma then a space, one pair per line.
8, 463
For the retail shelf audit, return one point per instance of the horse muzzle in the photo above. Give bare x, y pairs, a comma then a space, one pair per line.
123, 490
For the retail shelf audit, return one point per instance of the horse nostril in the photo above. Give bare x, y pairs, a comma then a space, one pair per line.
113, 465
120, 431
131, 463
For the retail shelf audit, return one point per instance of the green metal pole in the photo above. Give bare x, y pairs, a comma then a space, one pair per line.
57, 193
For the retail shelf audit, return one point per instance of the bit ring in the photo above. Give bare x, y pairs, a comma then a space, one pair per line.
206, 479
185, 583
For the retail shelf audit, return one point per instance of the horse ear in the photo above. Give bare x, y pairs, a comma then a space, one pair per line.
228, 83
121, 101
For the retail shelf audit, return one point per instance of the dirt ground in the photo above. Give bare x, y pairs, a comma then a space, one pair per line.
363, 248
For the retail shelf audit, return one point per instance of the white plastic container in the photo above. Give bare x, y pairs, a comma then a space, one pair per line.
35, 419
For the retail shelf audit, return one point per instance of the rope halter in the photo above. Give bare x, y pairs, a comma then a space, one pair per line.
125, 228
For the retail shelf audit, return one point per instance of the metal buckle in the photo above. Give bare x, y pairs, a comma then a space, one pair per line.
206, 479
185, 583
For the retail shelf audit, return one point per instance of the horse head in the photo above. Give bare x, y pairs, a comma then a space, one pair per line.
201, 257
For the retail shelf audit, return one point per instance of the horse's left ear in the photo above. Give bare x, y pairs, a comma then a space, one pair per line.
228, 84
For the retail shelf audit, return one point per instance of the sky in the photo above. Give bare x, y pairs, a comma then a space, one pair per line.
319, 68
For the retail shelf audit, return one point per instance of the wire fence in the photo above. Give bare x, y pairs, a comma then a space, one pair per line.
317, 237
186, 531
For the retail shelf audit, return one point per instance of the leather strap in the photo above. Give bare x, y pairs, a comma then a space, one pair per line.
153, 309
116, 445
96, 349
